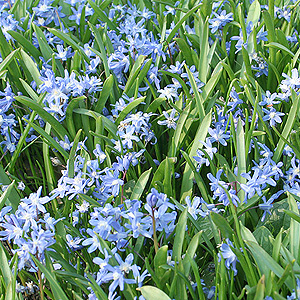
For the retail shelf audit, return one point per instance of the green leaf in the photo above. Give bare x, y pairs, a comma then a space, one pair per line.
187, 179
186, 50
11, 195
106, 90
108, 124
57, 290
26, 44
69, 40
140, 185
6, 272
241, 155
59, 129
7, 60
179, 236
134, 74
295, 59
51, 141
212, 82
47, 162
153, 293
180, 22
287, 129
198, 97
260, 289
190, 252
44, 46
128, 109
266, 263
180, 131
262, 235
102, 16
159, 174
160, 259
294, 235
32, 68
293, 215
30, 90
4, 197
96, 288
281, 47
73, 154
254, 13
69, 114
222, 225
103, 54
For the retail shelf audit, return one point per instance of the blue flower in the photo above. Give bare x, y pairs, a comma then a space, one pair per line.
128, 136
218, 134
292, 82
269, 99
36, 201
293, 295
8, 98
209, 150
170, 119
63, 54
73, 243
229, 256
268, 205
193, 208
272, 116
220, 20
93, 241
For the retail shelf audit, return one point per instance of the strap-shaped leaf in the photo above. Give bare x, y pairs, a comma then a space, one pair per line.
59, 128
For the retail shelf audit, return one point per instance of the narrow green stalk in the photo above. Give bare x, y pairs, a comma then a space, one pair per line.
238, 231
41, 284
154, 232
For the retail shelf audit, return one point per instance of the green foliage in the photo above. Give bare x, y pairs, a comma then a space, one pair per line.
236, 247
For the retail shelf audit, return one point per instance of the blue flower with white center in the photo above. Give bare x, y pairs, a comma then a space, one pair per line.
272, 116
8, 98
269, 99
234, 100
63, 54
128, 136
284, 13
293, 81
262, 68
76, 185
139, 278
171, 10
169, 93
193, 208
93, 241
177, 69
119, 63
112, 180
74, 243
209, 150
229, 256
116, 273
36, 201
220, 20
170, 119
268, 205
218, 135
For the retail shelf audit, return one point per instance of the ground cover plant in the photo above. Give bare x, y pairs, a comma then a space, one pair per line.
149, 149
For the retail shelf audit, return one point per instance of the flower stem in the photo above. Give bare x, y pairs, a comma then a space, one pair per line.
41, 285
154, 232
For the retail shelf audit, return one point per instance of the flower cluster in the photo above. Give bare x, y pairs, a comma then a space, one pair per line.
31, 229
